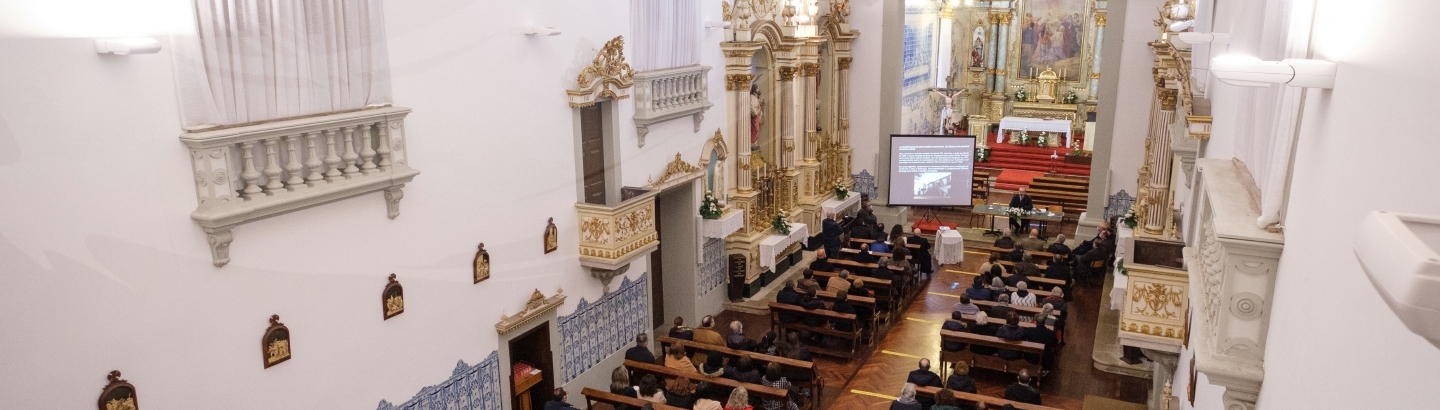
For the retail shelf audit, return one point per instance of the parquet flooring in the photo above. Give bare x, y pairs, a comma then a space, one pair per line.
872, 380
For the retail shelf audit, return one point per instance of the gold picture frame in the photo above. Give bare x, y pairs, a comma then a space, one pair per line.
482, 264
552, 236
392, 299
275, 345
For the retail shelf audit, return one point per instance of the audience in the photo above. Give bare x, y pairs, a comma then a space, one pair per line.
997, 287
1016, 255
982, 327
829, 237
714, 366
955, 324
1005, 241
798, 350
789, 296
739, 400
650, 389
641, 351
620, 385
680, 331
811, 302
1059, 247
841, 284
1043, 335
1022, 295
965, 306
907, 399
1033, 242
978, 291
680, 392
1022, 274
864, 256
1011, 331
676, 359
706, 334
989, 263
924, 377
744, 371
945, 400
822, 261
808, 281
922, 254
1058, 269
767, 344
558, 401
862, 314
880, 245
773, 378
842, 305
737, 339
1056, 298
960, 379
1021, 391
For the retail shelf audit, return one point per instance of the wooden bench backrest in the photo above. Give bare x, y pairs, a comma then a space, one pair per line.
992, 341
863, 301
1002, 251
827, 314
763, 391
991, 402
592, 396
971, 319
863, 240
759, 357
870, 283
1023, 310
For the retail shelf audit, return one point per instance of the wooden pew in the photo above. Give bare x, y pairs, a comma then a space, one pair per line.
668, 373
989, 361
863, 240
829, 316
990, 402
971, 319
1033, 279
880, 286
1022, 310
816, 383
593, 396
857, 301
1003, 251
850, 252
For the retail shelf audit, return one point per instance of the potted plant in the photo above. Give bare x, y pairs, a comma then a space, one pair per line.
710, 207
841, 191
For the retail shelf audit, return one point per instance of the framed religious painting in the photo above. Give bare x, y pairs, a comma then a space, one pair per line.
119, 394
482, 264
551, 236
275, 345
392, 300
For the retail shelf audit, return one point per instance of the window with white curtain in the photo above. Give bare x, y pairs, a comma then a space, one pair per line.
249, 61
666, 33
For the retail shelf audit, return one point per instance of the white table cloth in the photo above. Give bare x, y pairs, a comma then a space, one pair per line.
839, 207
772, 245
1033, 124
950, 246
728, 223
1125, 245
1117, 295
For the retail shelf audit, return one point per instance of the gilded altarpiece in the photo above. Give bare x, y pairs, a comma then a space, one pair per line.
786, 78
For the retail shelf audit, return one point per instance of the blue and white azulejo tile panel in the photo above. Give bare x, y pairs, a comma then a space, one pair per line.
469, 388
712, 270
597, 330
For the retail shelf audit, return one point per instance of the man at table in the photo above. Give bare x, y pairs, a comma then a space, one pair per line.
1023, 201
830, 233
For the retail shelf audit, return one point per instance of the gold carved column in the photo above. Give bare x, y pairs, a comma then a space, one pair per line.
1155, 175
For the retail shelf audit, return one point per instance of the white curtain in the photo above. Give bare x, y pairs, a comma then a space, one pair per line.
666, 33
256, 60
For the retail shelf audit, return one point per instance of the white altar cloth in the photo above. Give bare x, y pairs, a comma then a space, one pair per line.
840, 206
1033, 124
772, 245
729, 222
1126, 246
950, 246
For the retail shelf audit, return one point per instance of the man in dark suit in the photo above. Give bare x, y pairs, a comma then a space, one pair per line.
842, 305
830, 234
922, 255
1021, 390
864, 256
923, 377
640, 353
811, 302
789, 296
1059, 247
1006, 241
822, 261
1023, 201
954, 324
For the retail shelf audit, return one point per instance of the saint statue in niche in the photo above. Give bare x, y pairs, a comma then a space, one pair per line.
275, 346
482, 264
757, 116
551, 237
977, 48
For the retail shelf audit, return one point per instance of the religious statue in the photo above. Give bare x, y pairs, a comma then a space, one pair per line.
977, 48
947, 113
279, 350
757, 115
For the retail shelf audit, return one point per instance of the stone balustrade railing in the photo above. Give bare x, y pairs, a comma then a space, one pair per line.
610, 237
253, 172
666, 94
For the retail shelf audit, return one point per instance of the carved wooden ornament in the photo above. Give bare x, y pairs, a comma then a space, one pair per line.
275, 345
482, 264
552, 236
118, 394
392, 300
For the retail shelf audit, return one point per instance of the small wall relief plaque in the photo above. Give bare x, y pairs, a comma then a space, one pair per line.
482, 264
392, 300
275, 346
119, 394
551, 236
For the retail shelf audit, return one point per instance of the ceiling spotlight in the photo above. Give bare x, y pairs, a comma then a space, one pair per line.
130, 45
541, 31
1252, 72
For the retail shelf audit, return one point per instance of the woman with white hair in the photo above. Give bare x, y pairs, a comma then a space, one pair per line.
907, 399
982, 327
739, 400
997, 286
737, 340
1022, 295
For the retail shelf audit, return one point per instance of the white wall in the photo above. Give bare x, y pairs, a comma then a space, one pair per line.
1362, 148
1133, 96
865, 129
103, 269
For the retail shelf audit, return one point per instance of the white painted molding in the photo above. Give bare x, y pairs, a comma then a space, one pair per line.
670, 93
305, 162
1232, 280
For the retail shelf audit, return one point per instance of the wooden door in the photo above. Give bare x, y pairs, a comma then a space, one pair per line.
657, 286
592, 147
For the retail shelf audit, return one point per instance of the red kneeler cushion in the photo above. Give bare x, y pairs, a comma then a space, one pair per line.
929, 227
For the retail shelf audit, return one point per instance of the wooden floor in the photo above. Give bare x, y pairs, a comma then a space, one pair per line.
872, 381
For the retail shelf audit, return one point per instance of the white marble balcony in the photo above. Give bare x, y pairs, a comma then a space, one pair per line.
670, 93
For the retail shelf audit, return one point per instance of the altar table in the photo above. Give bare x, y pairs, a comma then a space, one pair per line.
1033, 124
772, 245
840, 206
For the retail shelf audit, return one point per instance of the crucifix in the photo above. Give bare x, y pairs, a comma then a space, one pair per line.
949, 111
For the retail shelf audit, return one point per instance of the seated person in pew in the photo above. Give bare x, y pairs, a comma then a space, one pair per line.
773, 378
1058, 269
1022, 391
620, 385
1056, 299
1011, 331
1059, 247
1022, 296
680, 392
842, 305
676, 359
997, 288
1016, 255
841, 285
954, 324
641, 351
706, 334
708, 398
557, 402
906, 401
767, 344
811, 302
945, 400
807, 281
992, 261
1002, 307
960, 379
822, 261
978, 291
1043, 335
650, 389
965, 307
743, 371
1005, 241
864, 256
714, 366
739, 400
883, 271
902, 260
922, 254
789, 296
798, 350
982, 327
862, 314
1026, 266
1021, 275
680, 331
924, 377
737, 340
1032, 242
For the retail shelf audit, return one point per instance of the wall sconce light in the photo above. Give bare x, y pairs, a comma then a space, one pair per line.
717, 24
540, 31
129, 45
1252, 72
1399, 254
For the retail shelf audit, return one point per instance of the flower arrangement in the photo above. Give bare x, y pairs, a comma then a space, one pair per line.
1023, 138
841, 191
1020, 95
1129, 219
982, 154
1042, 140
710, 207
1070, 97
1016, 214
779, 224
